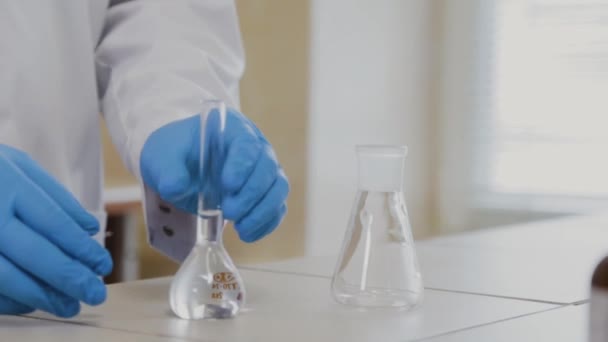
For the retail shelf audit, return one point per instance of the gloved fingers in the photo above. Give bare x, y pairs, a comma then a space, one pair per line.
39, 212
10, 307
257, 185
238, 126
175, 183
58, 193
166, 161
267, 207
256, 130
263, 230
28, 294
241, 159
244, 148
46, 262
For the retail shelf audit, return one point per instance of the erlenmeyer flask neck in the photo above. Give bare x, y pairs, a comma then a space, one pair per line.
210, 225
381, 167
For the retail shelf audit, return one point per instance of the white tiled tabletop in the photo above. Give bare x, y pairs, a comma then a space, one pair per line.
286, 307
545, 274
547, 261
564, 324
35, 330
512, 284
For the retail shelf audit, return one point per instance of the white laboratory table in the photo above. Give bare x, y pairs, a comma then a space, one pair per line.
549, 261
27, 329
519, 283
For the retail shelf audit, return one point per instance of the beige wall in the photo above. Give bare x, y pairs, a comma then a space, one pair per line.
274, 94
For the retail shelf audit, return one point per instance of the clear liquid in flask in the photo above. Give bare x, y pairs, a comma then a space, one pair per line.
378, 266
207, 284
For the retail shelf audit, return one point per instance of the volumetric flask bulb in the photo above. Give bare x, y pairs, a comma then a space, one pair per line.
208, 284
378, 266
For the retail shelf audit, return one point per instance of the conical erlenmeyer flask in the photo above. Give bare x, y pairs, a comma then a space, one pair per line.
207, 284
378, 265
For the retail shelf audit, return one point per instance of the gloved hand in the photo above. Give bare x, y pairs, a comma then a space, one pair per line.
254, 186
48, 260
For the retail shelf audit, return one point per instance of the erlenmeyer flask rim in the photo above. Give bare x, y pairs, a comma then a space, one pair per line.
383, 150
380, 167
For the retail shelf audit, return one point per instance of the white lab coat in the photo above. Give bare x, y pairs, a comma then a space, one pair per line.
142, 63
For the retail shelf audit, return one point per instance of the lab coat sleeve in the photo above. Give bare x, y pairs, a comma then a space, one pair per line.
156, 61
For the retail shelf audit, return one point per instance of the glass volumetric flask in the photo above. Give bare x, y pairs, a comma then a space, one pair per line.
378, 266
208, 284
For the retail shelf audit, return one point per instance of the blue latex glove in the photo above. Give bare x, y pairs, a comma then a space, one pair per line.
254, 186
48, 260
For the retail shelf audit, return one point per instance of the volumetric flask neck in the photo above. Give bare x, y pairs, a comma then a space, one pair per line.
208, 284
378, 265
210, 226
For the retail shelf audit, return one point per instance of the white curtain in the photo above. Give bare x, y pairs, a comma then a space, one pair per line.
523, 110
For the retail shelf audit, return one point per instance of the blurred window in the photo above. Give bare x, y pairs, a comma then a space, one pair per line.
545, 108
